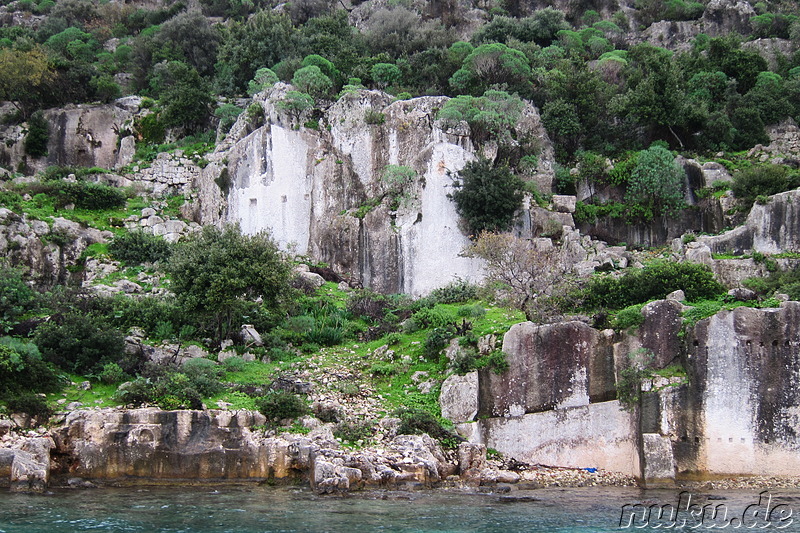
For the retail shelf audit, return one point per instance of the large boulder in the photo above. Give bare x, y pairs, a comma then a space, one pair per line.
549, 367
459, 397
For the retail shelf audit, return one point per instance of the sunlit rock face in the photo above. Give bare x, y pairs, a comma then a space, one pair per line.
321, 188
733, 409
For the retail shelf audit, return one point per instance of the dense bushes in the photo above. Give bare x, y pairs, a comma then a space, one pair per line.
82, 194
218, 273
279, 405
136, 247
651, 282
22, 369
173, 388
16, 297
79, 343
750, 183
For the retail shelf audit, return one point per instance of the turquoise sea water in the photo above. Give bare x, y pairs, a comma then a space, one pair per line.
269, 509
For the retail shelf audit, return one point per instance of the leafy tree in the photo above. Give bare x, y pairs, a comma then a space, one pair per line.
73, 44
79, 342
105, 88
24, 78
193, 38
218, 271
487, 196
295, 103
385, 74
135, 247
493, 114
331, 36
37, 136
492, 65
655, 96
654, 281
769, 96
311, 80
327, 68
23, 371
762, 181
15, 296
656, 181
541, 28
186, 99
400, 32
560, 119
265, 39
263, 78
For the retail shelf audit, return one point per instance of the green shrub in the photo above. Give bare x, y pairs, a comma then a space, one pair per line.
84, 195
437, 340
652, 282
112, 373
368, 304
433, 317
28, 403
137, 247
22, 369
471, 311
457, 291
79, 343
487, 196
752, 183
415, 421
279, 405
630, 317
203, 376
496, 361
353, 432
234, 364
16, 297
374, 117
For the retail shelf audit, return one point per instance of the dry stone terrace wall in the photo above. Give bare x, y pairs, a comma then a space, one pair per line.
735, 413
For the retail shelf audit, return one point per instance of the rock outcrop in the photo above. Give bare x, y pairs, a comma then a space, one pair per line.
772, 227
731, 410
46, 250
128, 446
323, 192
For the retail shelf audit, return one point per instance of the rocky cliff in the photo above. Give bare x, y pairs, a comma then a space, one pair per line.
322, 191
726, 404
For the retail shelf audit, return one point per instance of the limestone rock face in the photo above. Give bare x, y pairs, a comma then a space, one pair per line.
459, 397
322, 192
85, 135
548, 368
149, 443
28, 242
742, 402
770, 228
726, 16
30, 467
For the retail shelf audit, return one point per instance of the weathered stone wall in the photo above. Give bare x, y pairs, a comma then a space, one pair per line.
736, 412
320, 191
80, 135
169, 173
770, 228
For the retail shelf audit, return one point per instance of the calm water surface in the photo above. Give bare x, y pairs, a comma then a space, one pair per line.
267, 509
